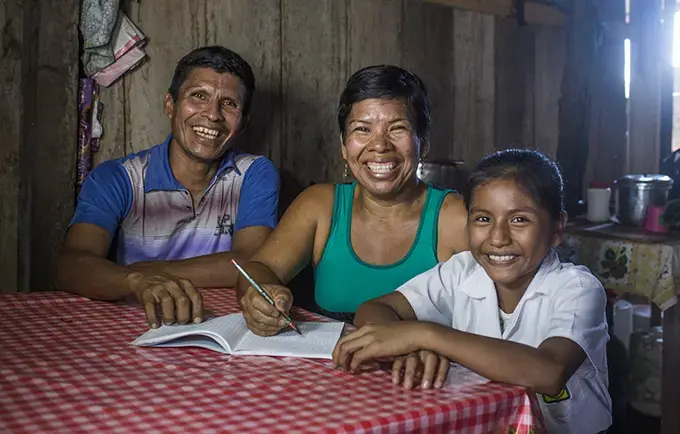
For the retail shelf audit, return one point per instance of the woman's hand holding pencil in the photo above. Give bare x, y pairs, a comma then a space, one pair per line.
262, 317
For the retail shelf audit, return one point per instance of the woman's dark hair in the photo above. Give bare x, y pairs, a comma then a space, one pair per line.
535, 173
219, 59
387, 82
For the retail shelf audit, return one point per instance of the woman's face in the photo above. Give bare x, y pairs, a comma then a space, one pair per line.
380, 146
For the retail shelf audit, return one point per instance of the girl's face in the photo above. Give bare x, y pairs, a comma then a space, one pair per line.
380, 145
509, 233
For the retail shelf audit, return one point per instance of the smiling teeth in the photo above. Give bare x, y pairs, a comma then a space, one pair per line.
381, 167
504, 258
206, 132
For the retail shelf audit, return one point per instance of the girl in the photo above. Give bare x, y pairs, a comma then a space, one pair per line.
507, 309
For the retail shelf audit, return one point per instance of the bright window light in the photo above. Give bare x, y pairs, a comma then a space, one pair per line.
626, 66
676, 40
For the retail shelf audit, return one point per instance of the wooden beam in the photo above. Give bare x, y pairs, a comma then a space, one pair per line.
533, 12
574, 114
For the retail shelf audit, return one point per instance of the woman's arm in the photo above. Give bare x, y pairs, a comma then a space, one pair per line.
286, 252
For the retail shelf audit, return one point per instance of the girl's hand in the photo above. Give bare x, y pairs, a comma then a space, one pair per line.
424, 366
376, 341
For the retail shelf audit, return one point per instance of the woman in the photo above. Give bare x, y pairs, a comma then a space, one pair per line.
368, 237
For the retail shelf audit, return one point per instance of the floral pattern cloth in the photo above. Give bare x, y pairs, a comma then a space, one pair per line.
628, 266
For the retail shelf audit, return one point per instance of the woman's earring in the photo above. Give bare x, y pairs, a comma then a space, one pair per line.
346, 173
420, 166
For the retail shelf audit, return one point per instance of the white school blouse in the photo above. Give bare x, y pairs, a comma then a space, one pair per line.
563, 300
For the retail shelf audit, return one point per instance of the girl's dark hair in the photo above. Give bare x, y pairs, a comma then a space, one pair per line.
387, 82
219, 59
535, 173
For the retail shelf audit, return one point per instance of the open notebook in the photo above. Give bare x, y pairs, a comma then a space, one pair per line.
229, 334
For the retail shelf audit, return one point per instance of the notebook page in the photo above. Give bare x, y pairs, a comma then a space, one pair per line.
224, 330
195, 341
317, 341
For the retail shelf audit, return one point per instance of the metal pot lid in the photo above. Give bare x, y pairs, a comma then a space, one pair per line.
649, 180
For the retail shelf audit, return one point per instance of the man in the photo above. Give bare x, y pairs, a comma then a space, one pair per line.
179, 211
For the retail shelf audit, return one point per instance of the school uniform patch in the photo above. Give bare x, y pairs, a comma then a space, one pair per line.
562, 396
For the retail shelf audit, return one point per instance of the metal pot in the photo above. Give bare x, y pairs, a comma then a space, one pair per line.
633, 194
442, 174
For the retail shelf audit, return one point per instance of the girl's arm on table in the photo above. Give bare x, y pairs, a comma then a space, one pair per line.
388, 308
545, 369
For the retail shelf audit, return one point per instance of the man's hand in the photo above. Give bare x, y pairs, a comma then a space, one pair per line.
377, 341
424, 367
179, 301
262, 318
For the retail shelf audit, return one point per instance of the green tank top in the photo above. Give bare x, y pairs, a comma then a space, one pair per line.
343, 281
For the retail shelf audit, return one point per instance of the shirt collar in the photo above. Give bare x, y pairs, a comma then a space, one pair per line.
480, 285
159, 174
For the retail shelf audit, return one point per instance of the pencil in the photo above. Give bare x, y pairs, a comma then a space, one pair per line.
264, 294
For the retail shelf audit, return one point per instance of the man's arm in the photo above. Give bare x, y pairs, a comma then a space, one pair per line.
82, 267
213, 271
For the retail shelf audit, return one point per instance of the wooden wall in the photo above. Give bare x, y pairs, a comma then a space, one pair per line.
38, 122
491, 83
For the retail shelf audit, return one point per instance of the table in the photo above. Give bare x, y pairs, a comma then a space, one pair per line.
66, 364
632, 260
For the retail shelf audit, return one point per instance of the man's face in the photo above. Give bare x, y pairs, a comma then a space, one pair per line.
208, 113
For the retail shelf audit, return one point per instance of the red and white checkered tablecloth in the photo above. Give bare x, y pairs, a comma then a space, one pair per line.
66, 365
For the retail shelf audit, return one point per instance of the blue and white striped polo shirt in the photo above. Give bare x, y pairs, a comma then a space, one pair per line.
138, 200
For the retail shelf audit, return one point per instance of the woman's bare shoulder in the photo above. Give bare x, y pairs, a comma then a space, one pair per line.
454, 206
452, 223
314, 200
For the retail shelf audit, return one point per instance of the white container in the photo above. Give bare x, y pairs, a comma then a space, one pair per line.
623, 322
630, 318
598, 203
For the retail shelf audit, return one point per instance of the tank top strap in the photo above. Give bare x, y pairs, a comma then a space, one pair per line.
342, 206
429, 230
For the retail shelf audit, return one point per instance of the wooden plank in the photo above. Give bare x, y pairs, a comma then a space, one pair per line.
112, 142
315, 69
645, 86
533, 13
54, 134
368, 43
549, 63
252, 28
514, 80
608, 146
173, 27
574, 111
474, 87
11, 21
427, 45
